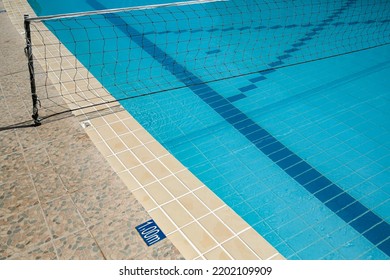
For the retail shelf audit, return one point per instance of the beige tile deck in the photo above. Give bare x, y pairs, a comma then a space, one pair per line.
197, 223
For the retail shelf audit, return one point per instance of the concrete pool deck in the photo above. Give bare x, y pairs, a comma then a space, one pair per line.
78, 185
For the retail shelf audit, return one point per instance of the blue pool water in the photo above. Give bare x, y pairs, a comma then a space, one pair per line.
302, 153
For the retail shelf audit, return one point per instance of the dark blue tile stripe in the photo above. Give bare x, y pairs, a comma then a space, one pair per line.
247, 88
257, 79
236, 97
345, 206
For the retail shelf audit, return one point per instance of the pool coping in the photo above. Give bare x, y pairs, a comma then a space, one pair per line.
197, 222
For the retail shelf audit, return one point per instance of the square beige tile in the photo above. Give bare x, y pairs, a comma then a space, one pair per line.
143, 154
278, 257
123, 115
119, 128
129, 180
111, 118
189, 179
217, 253
162, 220
258, 244
158, 193
172, 163
231, 219
237, 249
177, 213
116, 145
103, 149
128, 159
115, 163
132, 124
142, 175
145, 199
156, 148
98, 122
209, 198
143, 135
105, 132
174, 186
199, 237
130, 140
183, 245
216, 228
194, 205
158, 169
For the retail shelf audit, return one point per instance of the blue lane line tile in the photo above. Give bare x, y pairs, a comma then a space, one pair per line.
378, 233
291, 26
283, 56
213, 51
244, 28
268, 71
369, 224
247, 88
236, 97
298, 44
340, 202
365, 222
228, 29
305, 39
318, 184
291, 50
257, 79
289, 161
328, 193
352, 211
276, 63
385, 246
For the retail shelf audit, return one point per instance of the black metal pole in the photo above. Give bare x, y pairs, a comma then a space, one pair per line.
29, 55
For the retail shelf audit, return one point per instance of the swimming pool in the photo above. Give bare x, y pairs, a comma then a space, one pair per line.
301, 153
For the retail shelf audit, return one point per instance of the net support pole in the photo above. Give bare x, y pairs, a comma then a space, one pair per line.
29, 54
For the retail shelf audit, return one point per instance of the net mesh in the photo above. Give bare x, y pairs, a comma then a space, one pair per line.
113, 55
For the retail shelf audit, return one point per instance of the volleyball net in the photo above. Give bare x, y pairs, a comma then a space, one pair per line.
84, 60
